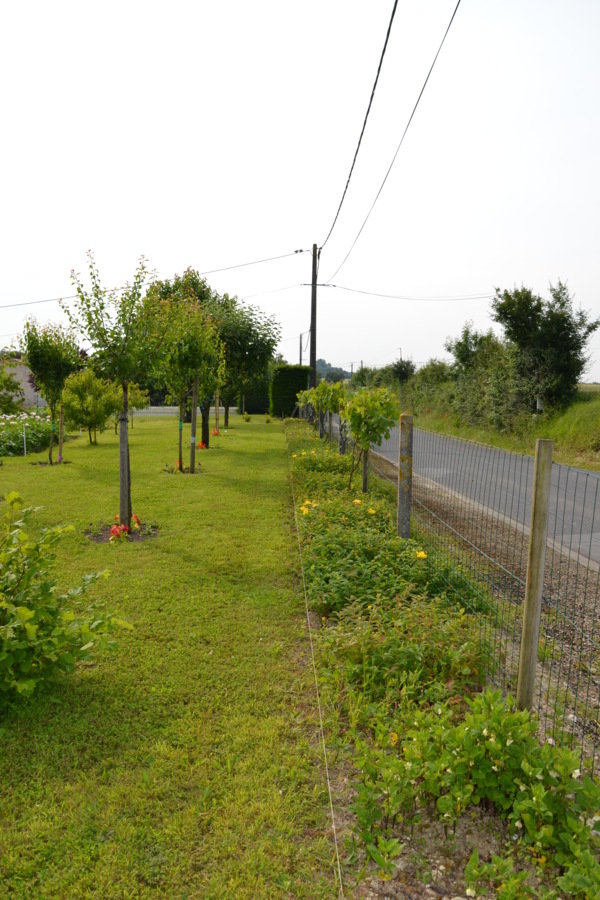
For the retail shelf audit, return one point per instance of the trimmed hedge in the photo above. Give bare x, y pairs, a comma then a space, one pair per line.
287, 382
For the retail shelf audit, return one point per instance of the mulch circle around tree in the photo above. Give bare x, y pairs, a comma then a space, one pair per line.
101, 533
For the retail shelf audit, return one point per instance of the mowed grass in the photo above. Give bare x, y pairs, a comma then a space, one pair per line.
186, 763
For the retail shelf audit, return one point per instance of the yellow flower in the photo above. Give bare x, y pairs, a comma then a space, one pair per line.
421, 554
371, 511
357, 502
393, 738
304, 510
314, 504
294, 455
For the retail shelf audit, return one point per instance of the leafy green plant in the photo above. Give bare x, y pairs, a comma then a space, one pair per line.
370, 413
42, 632
37, 433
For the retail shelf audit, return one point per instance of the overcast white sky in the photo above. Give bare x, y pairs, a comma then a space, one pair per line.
208, 134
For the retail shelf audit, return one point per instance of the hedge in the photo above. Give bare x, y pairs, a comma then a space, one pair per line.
287, 382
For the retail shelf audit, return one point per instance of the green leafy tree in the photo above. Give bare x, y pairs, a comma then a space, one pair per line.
139, 398
190, 359
52, 355
11, 395
90, 402
121, 328
371, 413
551, 338
249, 340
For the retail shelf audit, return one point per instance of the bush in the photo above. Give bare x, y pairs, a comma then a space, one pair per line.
37, 432
287, 383
42, 633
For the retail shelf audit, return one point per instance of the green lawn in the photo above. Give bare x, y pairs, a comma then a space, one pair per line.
186, 763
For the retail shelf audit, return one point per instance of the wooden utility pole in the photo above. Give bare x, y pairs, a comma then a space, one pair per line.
532, 607
312, 382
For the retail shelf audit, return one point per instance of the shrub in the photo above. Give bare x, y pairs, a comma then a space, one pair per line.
287, 383
37, 433
42, 633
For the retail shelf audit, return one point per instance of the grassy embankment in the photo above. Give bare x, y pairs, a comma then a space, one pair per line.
186, 762
575, 431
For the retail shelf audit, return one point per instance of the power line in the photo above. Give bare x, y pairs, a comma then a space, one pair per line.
400, 144
341, 287
364, 123
253, 262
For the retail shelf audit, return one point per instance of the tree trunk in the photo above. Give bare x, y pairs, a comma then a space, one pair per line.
90, 433
365, 470
95, 436
321, 424
343, 438
205, 421
124, 469
243, 404
194, 421
226, 416
181, 415
61, 431
52, 432
217, 404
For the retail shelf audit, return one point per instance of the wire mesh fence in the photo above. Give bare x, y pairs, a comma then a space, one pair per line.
474, 503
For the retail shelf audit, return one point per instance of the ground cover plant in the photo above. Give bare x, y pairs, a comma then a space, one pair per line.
185, 762
37, 430
435, 753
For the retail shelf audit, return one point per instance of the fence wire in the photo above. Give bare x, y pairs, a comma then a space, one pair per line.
474, 504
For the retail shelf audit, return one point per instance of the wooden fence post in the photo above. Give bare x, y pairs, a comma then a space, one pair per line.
532, 607
405, 459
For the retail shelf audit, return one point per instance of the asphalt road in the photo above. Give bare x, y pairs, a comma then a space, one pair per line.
502, 482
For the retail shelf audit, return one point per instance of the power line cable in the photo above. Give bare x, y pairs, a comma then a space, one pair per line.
341, 287
387, 37
360, 231
253, 262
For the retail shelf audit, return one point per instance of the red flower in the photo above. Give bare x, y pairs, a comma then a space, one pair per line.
201, 446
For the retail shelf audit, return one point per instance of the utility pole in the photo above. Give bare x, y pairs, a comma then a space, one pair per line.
301, 349
313, 321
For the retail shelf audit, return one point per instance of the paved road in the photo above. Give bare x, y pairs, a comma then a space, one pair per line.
503, 481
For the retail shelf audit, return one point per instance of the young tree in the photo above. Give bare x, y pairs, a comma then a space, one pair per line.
121, 329
190, 360
90, 401
139, 398
52, 355
371, 413
551, 339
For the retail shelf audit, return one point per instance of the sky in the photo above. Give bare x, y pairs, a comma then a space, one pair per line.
211, 134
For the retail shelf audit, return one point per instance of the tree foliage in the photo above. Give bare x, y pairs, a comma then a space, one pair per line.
52, 355
371, 413
551, 338
90, 401
120, 326
11, 394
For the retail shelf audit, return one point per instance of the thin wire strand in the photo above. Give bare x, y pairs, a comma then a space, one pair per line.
360, 231
314, 666
387, 37
340, 287
254, 262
